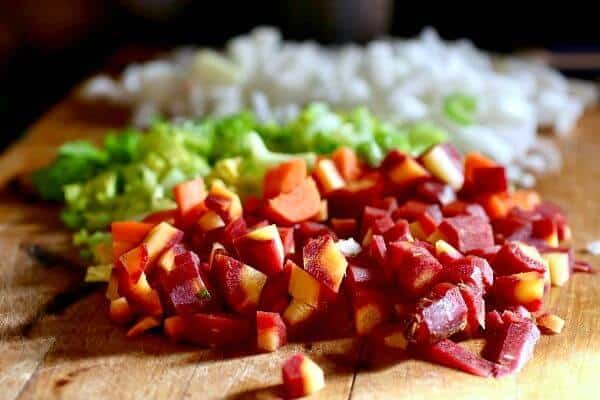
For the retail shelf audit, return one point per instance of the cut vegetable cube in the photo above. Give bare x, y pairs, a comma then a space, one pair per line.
438, 316
240, 284
513, 345
143, 325
135, 261
119, 311
189, 194
160, 238
301, 376
444, 162
416, 270
550, 324
526, 289
271, 331
262, 248
284, 178
327, 176
324, 261
450, 354
467, 232
300, 204
174, 328
216, 330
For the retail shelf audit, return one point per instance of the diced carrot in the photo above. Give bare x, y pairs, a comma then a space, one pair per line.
130, 231
475, 160
347, 163
300, 204
284, 177
120, 248
174, 327
527, 200
161, 216
496, 205
189, 194
143, 325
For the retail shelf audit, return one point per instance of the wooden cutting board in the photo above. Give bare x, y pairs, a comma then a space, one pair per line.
56, 342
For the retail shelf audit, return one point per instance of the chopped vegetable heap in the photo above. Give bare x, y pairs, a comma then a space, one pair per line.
134, 173
413, 257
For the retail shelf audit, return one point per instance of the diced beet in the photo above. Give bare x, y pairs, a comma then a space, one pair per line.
545, 228
287, 240
400, 231
307, 230
446, 253
386, 344
240, 291
426, 245
427, 223
260, 223
416, 269
270, 331
336, 316
370, 215
526, 289
435, 192
453, 355
442, 314
460, 207
518, 310
467, 232
582, 266
464, 270
360, 277
550, 210
493, 321
252, 204
216, 330
344, 227
512, 346
471, 270
450, 354
488, 253
393, 158
512, 227
234, 229
412, 210
301, 377
473, 297
371, 309
186, 290
274, 296
219, 204
350, 201
387, 203
378, 250
491, 179
382, 225
512, 258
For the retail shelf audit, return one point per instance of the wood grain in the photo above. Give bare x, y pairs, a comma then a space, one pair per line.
76, 353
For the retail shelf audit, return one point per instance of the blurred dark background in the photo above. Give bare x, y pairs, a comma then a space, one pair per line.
48, 46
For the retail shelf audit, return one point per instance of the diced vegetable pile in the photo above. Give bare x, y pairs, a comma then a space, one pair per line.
134, 172
413, 256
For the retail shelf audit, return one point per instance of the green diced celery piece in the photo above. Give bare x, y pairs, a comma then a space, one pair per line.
460, 108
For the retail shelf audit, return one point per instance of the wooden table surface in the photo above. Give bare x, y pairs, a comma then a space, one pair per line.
56, 341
